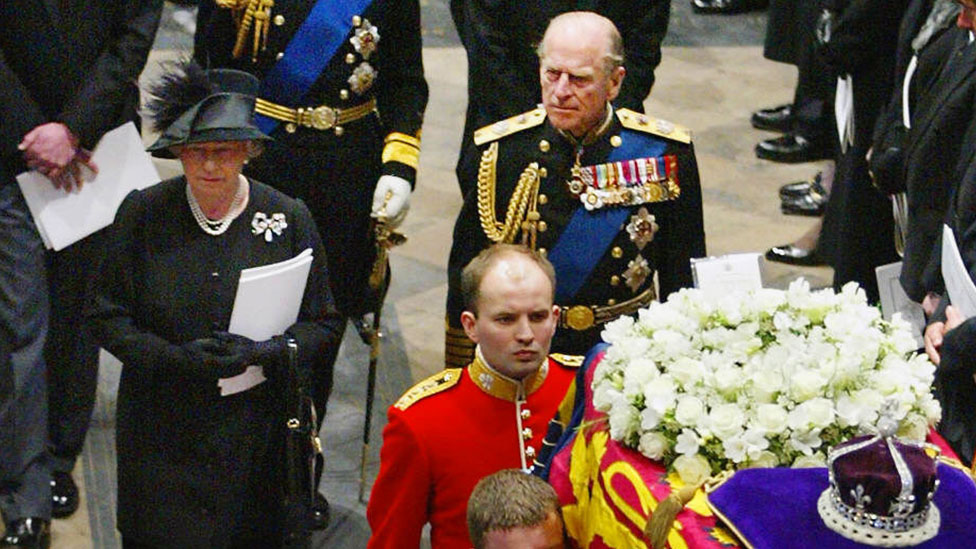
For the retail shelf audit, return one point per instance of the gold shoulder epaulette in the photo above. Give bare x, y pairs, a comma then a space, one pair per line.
434, 384
648, 124
569, 361
509, 126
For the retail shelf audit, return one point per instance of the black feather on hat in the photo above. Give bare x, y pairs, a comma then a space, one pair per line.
192, 105
184, 84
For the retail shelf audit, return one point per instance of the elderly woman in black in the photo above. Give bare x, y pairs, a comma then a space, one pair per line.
197, 469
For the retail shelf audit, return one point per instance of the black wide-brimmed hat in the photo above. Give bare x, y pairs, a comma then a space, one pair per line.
192, 105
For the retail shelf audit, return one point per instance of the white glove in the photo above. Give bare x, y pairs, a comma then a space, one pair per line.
398, 203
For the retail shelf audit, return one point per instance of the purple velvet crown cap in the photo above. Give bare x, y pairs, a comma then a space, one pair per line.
881, 491
873, 469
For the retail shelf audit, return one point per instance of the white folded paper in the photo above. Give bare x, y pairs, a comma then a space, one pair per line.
64, 218
844, 111
269, 298
895, 300
959, 285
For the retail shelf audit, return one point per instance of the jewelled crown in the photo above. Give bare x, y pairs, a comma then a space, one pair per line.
881, 490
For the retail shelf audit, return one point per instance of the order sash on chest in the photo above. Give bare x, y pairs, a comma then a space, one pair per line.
308, 53
589, 232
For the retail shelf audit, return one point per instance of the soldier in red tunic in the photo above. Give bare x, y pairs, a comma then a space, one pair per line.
452, 429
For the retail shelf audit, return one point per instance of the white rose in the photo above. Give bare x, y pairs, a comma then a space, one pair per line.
813, 460
687, 442
649, 419
767, 382
771, 418
728, 380
726, 420
806, 384
692, 469
604, 395
816, 413
624, 419
660, 393
687, 371
653, 445
690, 410
637, 373
764, 459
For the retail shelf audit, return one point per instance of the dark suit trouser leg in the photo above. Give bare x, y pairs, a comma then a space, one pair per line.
813, 110
25, 474
70, 352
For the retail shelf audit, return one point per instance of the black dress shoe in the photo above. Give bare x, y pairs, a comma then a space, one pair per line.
32, 532
791, 148
788, 253
777, 119
799, 188
812, 203
727, 6
64, 495
320, 512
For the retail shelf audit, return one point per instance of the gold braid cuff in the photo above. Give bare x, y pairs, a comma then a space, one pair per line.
403, 138
525, 193
402, 148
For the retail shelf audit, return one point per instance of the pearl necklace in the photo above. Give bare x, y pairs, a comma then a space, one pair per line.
221, 225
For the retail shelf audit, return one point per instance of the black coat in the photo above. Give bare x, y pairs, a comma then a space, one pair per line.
501, 36
196, 469
890, 132
858, 218
70, 61
74, 62
336, 174
789, 30
954, 384
680, 234
942, 114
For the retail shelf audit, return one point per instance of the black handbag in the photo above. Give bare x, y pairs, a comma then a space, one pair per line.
301, 445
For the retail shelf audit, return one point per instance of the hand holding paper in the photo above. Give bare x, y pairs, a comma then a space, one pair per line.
268, 301
959, 285
65, 218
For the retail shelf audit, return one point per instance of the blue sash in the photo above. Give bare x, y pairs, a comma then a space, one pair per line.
586, 237
308, 53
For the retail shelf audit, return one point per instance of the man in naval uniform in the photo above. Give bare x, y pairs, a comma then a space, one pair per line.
500, 36
343, 96
460, 425
609, 196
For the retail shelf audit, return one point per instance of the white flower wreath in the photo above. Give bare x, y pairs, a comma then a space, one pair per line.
766, 378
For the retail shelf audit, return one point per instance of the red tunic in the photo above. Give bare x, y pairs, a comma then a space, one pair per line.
448, 432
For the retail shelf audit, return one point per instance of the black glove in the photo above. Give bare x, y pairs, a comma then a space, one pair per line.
265, 353
210, 359
825, 26
887, 170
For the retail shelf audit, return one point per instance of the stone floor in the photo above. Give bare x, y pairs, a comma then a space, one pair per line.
712, 76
